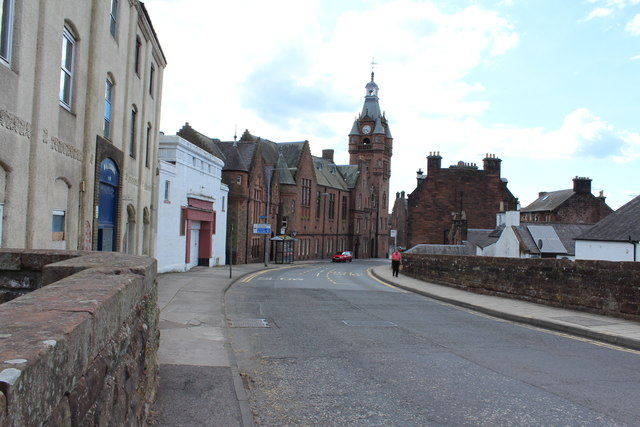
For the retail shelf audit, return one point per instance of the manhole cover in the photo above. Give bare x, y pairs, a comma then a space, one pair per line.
369, 323
249, 323
584, 321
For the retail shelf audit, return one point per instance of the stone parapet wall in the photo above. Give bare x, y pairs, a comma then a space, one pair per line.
81, 349
602, 287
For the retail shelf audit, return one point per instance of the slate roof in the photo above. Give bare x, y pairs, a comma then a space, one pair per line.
618, 226
549, 201
481, 238
328, 174
200, 140
350, 174
466, 249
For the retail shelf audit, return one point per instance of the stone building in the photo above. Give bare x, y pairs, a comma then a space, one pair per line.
326, 207
192, 214
572, 206
79, 110
446, 202
398, 221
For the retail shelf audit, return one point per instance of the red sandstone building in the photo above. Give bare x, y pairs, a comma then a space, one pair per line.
572, 206
324, 206
447, 202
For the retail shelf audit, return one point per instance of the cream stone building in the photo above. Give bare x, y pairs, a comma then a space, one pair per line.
80, 96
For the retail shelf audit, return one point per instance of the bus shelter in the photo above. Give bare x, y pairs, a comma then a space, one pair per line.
283, 249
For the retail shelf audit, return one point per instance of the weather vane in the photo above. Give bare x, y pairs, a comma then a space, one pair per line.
373, 64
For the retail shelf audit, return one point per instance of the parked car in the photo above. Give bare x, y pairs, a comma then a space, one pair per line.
343, 256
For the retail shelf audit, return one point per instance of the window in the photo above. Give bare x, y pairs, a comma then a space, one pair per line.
344, 208
108, 99
136, 63
332, 206
66, 68
6, 29
167, 188
148, 141
132, 133
318, 195
57, 226
151, 77
306, 192
113, 17
239, 179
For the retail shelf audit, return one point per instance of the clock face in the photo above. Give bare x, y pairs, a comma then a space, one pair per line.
366, 129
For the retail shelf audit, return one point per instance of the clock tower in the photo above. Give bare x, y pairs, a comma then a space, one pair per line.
370, 148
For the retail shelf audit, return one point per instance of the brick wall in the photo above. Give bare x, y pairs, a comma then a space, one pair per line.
81, 349
608, 288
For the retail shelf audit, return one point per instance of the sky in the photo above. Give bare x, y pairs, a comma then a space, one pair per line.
551, 87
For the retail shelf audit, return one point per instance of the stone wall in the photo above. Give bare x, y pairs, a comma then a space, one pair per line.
603, 287
82, 348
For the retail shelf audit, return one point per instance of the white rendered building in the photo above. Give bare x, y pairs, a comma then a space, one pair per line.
192, 206
614, 238
80, 95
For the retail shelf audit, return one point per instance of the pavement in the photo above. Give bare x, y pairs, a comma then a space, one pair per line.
200, 384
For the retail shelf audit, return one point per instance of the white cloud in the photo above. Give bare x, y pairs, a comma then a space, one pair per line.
633, 26
599, 12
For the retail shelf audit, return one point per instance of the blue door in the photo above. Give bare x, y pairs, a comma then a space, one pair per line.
107, 205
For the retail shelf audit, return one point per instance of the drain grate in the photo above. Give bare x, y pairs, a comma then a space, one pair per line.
249, 323
369, 323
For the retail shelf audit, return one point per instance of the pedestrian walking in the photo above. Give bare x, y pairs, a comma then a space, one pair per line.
396, 257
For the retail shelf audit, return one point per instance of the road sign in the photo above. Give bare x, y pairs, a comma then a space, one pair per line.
393, 233
262, 217
261, 228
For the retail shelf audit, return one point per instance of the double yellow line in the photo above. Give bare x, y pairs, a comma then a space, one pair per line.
252, 276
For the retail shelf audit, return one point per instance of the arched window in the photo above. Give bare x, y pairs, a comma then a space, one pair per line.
130, 230
59, 213
107, 208
146, 220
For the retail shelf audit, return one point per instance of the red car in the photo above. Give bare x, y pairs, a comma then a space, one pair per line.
342, 256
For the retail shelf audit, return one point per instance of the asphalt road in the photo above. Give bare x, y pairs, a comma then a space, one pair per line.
329, 345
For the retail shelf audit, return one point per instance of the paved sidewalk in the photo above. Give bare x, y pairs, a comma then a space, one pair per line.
624, 333
199, 381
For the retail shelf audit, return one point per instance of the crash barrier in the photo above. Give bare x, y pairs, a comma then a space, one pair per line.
601, 287
81, 347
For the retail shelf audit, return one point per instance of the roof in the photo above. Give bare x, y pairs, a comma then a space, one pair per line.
546, 239
328, 174
200, 140
442, 249
480, 238
621, 225
549, 201
350, 174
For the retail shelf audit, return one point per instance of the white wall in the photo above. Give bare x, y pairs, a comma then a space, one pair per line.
195, 173
605, 251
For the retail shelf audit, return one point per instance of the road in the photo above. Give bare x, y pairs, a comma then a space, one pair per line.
328, 345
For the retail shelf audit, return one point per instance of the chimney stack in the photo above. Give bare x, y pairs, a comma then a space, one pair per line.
327, 155
582, 185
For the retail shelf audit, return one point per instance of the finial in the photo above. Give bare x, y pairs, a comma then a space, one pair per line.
373, 64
